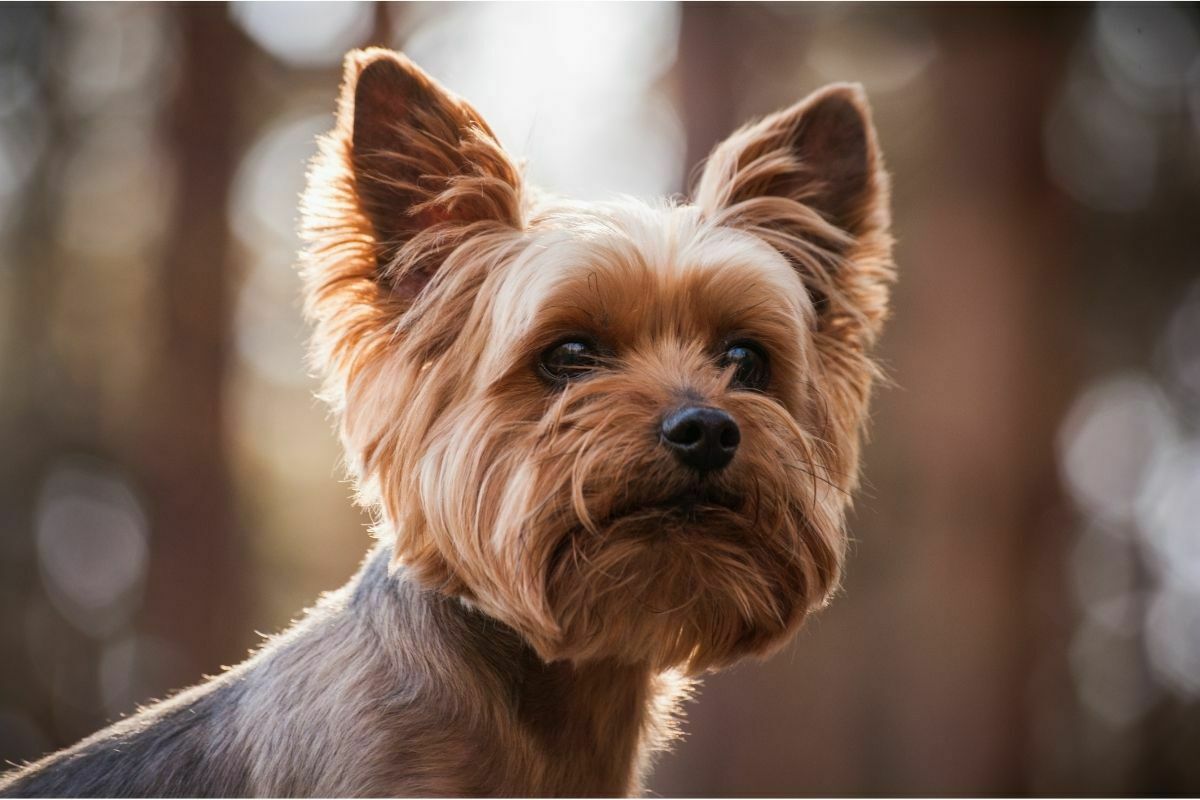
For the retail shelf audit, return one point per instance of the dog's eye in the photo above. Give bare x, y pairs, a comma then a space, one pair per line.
568, 360
750, 365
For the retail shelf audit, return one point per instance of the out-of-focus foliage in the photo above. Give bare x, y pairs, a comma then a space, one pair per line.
1022, 613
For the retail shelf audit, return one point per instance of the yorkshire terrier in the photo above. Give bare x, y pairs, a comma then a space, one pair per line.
608, 447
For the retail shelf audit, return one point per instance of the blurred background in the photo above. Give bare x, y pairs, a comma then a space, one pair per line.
1022, 612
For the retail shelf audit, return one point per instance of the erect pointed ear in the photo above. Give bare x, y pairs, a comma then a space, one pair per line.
810, 181
422, 161
821, 152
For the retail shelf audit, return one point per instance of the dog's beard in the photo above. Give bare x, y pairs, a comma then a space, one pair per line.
699, 587
612, 551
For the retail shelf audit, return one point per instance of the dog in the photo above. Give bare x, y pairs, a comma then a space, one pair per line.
608, 447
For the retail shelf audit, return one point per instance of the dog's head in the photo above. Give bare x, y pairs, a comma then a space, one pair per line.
626, 430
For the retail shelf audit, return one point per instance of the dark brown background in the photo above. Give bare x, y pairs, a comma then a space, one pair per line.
1022, 613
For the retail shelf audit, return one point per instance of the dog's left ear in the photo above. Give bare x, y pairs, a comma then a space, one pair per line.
810, 181
822, 152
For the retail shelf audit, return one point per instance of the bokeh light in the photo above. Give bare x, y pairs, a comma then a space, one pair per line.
1173, 638
1147, 50
1108, 441
22, 137
114, 56
305, 34
576, 84
1180, 346
1101, 149
92, 546
262, 214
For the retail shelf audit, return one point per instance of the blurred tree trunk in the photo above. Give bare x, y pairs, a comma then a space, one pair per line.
29, 435
980, 585
708, 74
196, 580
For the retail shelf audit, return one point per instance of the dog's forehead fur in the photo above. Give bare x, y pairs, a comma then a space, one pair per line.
630, 273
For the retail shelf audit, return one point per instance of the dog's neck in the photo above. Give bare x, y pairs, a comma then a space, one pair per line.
383, 689
573, 728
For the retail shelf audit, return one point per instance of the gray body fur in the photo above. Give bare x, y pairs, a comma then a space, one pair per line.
381, 689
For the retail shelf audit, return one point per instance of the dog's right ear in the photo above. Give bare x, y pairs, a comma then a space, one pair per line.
408, 160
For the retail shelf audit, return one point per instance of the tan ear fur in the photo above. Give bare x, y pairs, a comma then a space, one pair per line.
821, 152
422, 158
810, 180
408, 170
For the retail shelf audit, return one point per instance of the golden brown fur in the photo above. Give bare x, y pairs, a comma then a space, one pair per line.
551, 571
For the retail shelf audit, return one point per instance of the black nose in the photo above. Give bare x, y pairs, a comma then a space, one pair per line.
701, 437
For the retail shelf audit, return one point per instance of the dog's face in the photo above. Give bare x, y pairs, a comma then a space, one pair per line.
628, 431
